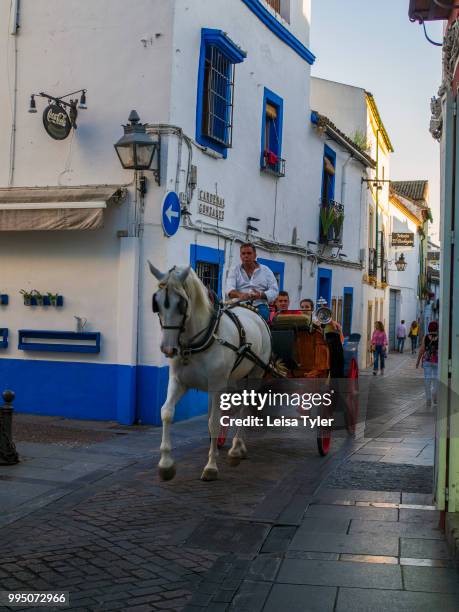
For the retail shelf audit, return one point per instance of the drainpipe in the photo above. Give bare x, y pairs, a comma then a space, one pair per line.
13, 30
343, 179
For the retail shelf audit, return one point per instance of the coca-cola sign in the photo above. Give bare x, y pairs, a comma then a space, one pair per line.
56, 122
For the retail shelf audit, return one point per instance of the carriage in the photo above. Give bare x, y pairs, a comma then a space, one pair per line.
211, 345
313, 350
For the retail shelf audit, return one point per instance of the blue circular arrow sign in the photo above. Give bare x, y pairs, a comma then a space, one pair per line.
171, 213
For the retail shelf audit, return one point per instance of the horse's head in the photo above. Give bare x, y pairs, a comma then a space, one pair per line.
171, 303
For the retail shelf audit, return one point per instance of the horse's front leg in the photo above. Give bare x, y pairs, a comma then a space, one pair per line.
210, 472
166, 465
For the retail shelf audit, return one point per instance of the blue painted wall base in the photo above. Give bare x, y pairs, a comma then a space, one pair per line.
105, 392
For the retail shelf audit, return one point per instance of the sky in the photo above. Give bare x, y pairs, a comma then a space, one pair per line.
373, 44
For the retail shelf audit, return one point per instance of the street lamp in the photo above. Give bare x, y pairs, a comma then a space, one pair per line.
135, 148
400, 263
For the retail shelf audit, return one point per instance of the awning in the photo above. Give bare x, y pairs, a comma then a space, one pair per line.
57, 208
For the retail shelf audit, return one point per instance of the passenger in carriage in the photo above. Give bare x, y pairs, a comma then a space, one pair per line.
282, 302
252, 281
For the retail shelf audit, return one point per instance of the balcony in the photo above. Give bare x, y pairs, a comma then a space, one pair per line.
272, 164
331, 223
372, 262
275, 5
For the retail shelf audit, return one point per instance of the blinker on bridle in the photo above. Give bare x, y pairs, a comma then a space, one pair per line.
182, 308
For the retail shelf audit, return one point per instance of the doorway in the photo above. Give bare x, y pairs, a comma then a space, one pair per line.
369, 333
394, 308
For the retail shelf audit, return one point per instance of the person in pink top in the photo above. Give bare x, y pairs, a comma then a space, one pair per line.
379, 347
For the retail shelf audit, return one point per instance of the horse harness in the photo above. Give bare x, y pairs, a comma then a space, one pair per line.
243, 351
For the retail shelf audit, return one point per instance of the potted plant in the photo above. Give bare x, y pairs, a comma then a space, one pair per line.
338, 219
327, 216
37, 297
52, 298
27, 297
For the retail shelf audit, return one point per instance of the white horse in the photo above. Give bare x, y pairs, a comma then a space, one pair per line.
189, 320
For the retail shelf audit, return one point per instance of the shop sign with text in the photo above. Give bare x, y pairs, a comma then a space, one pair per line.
402, 239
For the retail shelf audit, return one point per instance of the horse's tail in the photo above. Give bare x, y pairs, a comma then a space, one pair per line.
277, 368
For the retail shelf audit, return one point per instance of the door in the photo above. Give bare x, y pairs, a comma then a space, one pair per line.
324, 284
369, 333
394, 300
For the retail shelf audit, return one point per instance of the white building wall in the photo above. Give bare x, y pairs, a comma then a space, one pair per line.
144, 55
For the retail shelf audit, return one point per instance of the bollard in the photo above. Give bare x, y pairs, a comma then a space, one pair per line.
8, 452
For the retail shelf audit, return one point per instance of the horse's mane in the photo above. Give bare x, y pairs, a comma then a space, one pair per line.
192, 289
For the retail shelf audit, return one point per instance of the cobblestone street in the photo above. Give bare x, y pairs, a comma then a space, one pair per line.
85, 512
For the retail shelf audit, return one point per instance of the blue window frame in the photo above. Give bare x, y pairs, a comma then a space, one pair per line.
214, 108
348, 300
324, 284
276, 267
271, 129
208, 265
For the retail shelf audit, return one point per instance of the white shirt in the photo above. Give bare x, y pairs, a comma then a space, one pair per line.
262, 279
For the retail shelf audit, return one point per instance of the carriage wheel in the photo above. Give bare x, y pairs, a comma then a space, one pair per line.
324, 441
324, 434
352, 402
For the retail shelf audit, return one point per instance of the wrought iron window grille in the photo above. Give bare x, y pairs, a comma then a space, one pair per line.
217, 111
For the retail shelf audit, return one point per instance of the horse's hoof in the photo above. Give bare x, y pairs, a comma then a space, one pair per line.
209, 474
167, 473
234, 461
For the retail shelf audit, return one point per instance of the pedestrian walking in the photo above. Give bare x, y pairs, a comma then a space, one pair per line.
428, 355
379, 347
413, 336
401, 336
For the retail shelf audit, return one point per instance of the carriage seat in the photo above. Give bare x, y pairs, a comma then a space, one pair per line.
291, 319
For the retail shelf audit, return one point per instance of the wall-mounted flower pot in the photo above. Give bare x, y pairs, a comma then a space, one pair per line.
44, 301
4, 299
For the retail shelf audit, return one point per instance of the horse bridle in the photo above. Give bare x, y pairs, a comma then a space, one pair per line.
182, 308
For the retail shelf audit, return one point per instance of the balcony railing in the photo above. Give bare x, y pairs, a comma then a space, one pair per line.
272, 164
274, 4
372, 262
331, 223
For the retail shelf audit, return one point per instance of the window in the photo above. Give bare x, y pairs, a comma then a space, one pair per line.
208, 274
214, 109
281, 7
208, 265
271, 134
329, 210
328, 175
277, 268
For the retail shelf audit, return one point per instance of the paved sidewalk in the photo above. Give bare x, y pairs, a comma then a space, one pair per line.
84, 512
369, 538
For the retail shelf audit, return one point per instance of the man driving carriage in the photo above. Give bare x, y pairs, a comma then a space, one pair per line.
252, 281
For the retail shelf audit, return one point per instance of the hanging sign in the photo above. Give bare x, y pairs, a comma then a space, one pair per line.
402, 239
56, 122
433, 255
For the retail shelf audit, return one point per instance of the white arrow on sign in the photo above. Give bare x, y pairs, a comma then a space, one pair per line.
171, 213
